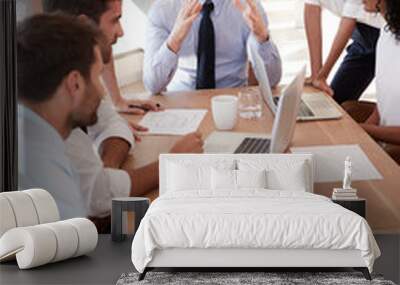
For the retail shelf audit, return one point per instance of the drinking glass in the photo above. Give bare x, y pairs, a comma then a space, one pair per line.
250, 105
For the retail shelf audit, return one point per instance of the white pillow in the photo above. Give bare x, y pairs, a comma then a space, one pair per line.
182, 178
237, 179
251, 178
290, 175
295, 179
223, 179
193, 174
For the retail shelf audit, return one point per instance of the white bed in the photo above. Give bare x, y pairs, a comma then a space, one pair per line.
198, 223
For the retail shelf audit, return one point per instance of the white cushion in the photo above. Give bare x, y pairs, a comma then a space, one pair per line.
7, 218
32, 246
251, 179
282, 174
27, 208
87, 234
23, 208
45, 205
188, 174
223, 179
226, 179
181, 177
294, 179
67, 238
41, 244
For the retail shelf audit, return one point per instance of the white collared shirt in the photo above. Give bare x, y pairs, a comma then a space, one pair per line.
351, 9
387, 78
97, 183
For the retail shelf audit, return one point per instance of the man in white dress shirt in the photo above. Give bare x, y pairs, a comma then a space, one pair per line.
358, 67
202, 44
59, 89
101, 175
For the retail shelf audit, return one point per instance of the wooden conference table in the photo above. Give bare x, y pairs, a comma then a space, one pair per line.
383, 196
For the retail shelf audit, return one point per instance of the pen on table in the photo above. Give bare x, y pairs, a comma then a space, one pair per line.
142, 107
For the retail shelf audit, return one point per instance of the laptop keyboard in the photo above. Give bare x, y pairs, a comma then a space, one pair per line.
304, 110
321, 106
254, 145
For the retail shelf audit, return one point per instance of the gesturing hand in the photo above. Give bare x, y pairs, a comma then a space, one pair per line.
186, 16
253, 19
321, 84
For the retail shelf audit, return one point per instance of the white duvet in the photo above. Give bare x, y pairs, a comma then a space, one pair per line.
250, 219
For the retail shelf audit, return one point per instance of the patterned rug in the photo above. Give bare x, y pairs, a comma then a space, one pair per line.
239, 278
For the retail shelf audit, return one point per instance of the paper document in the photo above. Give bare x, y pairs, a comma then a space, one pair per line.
173, 121
329, 162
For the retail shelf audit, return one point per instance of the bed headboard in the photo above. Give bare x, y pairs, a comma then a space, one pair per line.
213, 159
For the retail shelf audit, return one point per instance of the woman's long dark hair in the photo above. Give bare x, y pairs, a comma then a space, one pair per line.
392, 16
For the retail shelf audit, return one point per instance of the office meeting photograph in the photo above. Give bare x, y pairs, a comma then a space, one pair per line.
216, 142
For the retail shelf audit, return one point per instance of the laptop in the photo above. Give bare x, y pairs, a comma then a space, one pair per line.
282, 131
313, 106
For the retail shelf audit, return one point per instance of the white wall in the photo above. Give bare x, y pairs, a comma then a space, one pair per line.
134, 22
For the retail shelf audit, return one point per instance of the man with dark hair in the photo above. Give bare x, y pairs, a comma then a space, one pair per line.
92, 9
106, 14
101, 172
59, 89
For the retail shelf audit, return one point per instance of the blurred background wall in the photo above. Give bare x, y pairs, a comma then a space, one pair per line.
26, 8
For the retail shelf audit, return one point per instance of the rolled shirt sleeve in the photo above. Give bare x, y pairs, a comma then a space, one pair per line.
335, 6
108, 184
268, 52
109, 125
354, 9
345, 8
98, 185
272, 60
160, 63
313, 2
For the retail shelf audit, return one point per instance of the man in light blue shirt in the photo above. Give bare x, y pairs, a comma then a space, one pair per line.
172, 48
60, 61
43, 163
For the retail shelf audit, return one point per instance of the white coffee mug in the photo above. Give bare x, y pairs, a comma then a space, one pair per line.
224, 109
